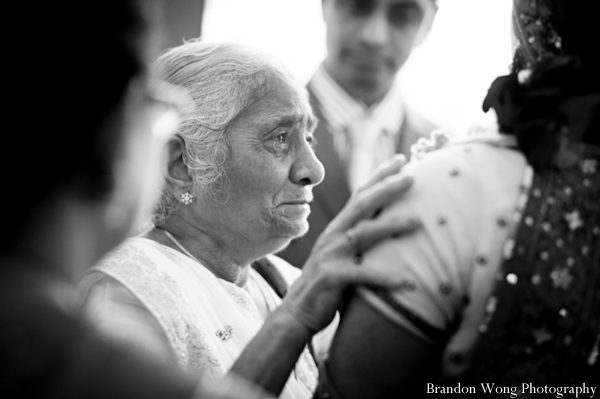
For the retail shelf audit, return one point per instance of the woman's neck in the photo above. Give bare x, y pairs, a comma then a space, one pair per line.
203, 248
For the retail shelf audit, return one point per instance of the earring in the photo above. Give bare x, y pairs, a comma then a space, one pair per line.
187, 198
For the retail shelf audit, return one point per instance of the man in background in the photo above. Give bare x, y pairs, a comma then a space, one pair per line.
181, 20
363, 119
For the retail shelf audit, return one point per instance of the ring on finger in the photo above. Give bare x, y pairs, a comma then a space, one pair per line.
352, 240
353, 243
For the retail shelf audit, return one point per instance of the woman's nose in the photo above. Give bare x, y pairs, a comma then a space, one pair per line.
307, 169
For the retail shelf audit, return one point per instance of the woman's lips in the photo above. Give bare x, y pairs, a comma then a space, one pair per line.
294, 210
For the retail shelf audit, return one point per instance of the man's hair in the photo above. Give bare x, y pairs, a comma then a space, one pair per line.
222, 81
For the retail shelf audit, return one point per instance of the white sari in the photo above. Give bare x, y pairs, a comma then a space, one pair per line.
206, 320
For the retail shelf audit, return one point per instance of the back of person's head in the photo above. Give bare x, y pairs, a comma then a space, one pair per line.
71, 65
553, 93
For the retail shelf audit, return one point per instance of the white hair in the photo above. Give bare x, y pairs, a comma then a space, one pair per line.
222, 80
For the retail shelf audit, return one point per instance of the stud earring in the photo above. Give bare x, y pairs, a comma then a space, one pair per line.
187, 198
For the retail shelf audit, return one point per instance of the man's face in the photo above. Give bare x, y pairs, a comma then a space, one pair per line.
369, 40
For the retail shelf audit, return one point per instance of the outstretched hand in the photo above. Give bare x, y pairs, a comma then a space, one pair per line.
334, 263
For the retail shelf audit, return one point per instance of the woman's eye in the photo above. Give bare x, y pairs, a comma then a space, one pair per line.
280, 141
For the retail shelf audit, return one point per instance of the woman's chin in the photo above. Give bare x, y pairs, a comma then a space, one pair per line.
288, 230
296, 228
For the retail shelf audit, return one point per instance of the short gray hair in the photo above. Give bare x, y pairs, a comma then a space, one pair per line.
222, 80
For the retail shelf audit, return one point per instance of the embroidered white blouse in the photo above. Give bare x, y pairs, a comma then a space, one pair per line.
165, 303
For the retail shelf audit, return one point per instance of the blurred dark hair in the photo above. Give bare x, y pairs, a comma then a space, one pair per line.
553, 92
70, 64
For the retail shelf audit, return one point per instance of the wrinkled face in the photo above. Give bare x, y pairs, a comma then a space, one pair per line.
369, 40
271, 170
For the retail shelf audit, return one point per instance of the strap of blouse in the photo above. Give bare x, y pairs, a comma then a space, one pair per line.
272, 276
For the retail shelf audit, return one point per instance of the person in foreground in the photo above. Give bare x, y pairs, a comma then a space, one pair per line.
96, 171
76, 207
196, 287
501, 283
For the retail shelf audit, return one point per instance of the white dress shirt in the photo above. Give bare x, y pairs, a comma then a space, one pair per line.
363, 136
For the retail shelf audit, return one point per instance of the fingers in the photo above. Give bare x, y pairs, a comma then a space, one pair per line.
370, 232
357, 275
366, 204
379, 278
353, 241
388, 168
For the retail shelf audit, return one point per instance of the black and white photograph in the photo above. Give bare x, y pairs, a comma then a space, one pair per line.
301, 199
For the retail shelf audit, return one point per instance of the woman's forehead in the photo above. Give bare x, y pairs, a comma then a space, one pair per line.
286, 102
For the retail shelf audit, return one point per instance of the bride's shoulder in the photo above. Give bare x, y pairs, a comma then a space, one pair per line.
468, 163
477, 147
483, 134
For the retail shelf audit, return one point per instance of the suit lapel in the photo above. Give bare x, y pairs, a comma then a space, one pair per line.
406, 137
333, 193
413, 128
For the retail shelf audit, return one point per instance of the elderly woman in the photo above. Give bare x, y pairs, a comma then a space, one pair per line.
197, 287
81, 206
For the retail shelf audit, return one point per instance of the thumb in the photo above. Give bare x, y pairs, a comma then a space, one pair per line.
380, 278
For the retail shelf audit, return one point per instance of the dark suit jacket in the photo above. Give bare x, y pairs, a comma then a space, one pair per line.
333, 193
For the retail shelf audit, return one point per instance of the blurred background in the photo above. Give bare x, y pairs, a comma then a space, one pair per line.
445, 79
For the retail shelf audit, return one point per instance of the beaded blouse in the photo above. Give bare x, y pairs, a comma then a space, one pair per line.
542, 322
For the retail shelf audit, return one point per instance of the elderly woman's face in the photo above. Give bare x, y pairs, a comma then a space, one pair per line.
271, 169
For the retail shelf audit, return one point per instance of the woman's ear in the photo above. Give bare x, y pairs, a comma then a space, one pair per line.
177, 173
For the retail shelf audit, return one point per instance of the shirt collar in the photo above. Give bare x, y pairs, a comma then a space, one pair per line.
340, 109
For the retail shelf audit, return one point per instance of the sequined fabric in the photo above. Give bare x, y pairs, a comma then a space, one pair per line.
532, 23
542, 322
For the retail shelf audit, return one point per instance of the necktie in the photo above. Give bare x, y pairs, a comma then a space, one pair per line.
364, 135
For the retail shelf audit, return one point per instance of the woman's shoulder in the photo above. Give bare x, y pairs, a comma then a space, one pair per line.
137, 262
138, 243
442, 144
475, 160
134, 250
460, 193
483, 135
